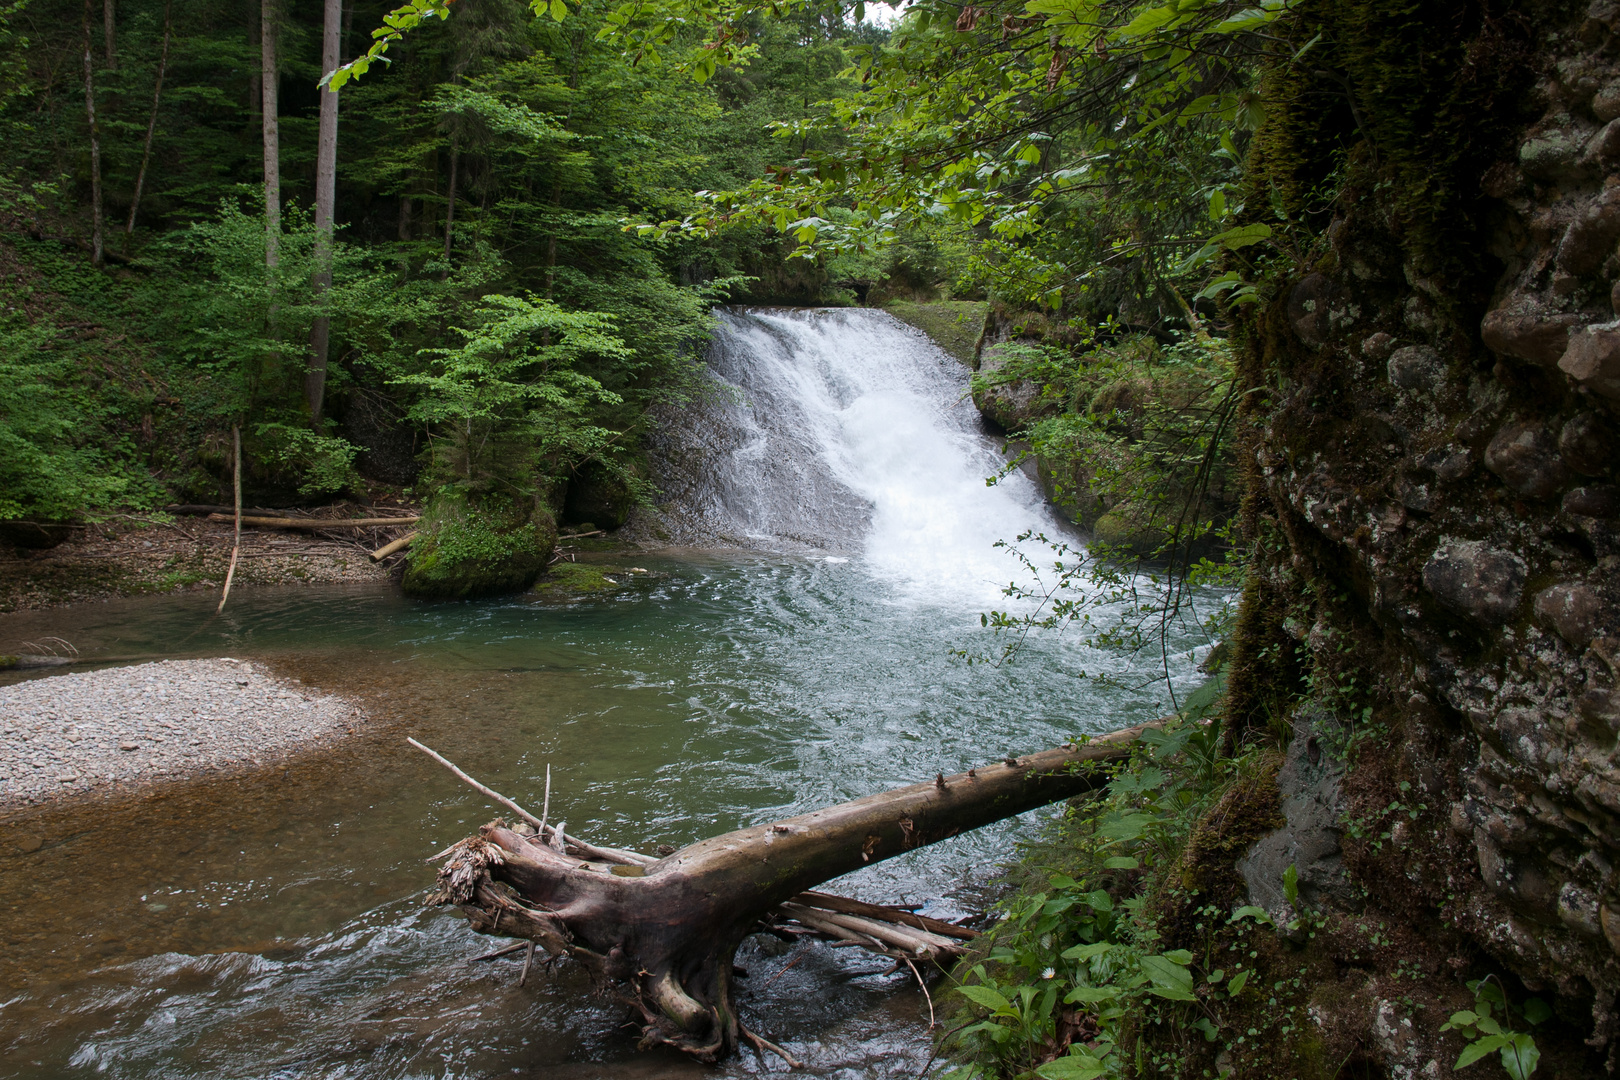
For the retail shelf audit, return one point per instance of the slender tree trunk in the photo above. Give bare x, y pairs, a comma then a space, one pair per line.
450, 206
269, 112
97, 250
255, 103
325, 200
404, 217
151, 126
107, 32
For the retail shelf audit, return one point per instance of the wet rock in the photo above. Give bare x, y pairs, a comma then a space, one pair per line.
1526, 459
1593, 359
1472, 578
1523, 329
1593, 501
1308, 309
1417, 368
1588, 444
1609, 920
1572, 609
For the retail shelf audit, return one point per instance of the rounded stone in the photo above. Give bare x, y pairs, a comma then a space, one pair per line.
1594, 501
1474, 579
1572, 609
1526, 459
1588, 444
1417, 368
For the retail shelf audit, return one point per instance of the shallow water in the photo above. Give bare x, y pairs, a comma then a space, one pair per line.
270, 926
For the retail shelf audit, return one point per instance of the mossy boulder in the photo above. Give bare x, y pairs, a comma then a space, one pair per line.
479, 545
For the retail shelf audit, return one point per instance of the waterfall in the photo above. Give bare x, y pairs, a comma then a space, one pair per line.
843, 434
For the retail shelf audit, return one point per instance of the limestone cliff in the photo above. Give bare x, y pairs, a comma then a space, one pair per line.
1432, 449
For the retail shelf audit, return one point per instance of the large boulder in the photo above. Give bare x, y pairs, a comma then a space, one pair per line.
470, 545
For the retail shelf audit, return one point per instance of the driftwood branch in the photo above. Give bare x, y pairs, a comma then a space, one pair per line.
666, 930
388, 549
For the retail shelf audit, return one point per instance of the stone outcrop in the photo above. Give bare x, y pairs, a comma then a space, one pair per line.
1434, 457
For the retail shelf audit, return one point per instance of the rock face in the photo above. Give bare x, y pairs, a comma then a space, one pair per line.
1433, 474
479, 545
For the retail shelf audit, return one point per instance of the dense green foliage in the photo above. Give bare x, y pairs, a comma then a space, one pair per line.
493, 163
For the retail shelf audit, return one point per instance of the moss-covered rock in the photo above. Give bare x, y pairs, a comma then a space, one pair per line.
479, 545
957, 326
576, 580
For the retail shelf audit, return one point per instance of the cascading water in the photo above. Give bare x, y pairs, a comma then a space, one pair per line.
849, 432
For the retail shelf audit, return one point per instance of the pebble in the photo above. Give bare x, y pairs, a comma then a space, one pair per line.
67, 734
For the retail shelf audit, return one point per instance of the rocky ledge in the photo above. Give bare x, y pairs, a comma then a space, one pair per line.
131, 726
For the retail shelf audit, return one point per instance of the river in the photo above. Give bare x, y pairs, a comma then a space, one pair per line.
272, 926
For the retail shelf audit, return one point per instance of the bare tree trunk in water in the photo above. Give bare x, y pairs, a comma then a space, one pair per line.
107, 31
151, 126
325, 204
666, 929
97, 251
270, 80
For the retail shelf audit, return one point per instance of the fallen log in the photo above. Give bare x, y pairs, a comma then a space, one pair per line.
316, 524
665, 931
388, 549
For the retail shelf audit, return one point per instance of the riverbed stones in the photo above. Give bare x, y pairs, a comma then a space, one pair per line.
1474, 579
90, 730
1526, 459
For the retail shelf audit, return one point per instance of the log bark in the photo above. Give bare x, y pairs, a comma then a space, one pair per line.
665, 931
270, 126
388, 549
317, 524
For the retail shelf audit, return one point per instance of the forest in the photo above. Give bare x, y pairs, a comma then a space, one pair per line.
1305, 304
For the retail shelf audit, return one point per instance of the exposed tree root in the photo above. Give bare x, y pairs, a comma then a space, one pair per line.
665, 931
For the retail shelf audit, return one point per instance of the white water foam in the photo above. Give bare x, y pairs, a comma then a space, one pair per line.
850, 431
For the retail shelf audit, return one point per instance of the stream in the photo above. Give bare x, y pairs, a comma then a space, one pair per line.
271, 926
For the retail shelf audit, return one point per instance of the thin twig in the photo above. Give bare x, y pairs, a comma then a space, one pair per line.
507, 950
545, 807
762, 1044
931, 1022
236, 549
491, 792
784, 970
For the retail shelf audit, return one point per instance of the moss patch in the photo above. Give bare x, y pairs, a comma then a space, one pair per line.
573, 580
957, 326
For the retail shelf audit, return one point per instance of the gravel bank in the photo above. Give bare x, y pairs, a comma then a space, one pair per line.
121, 727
